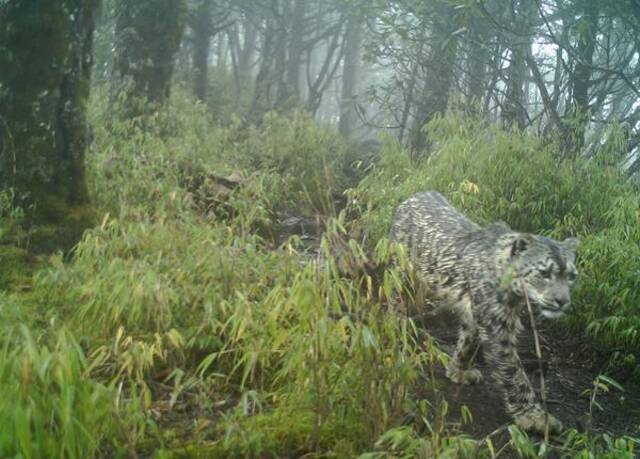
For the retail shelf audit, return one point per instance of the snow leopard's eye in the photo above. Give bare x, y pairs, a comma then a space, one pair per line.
547, 272
572, 276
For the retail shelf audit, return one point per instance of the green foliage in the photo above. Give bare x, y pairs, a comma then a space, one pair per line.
48, 408
227, 95
491, 175
193, 333
406, 442
180, 308
237, 316
575, 445
15, 269
61, 228
291, 165
16, 266
608, 296
310, 159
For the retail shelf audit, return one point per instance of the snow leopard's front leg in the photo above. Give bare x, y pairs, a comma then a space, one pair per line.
460, 367
499, 333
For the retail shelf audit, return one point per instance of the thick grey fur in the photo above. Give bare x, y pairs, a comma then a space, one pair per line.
485, 275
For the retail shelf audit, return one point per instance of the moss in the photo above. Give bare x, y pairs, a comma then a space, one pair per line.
11, 233
280, 433
15, 268
61, 229
80, 218
212, 451
65, 234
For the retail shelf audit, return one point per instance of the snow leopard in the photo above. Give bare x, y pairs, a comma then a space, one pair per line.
486, 275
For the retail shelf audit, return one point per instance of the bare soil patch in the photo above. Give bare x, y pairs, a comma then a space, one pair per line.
569, 373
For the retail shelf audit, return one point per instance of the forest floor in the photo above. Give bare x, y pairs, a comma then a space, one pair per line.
570, 367
569, 373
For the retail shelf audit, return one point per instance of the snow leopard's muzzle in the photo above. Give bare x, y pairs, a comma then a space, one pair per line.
556, 309
555, 301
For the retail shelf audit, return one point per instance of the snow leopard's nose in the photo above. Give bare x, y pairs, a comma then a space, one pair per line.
562, 303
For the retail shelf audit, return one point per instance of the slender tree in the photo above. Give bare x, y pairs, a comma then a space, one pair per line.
246, 52
201, 26
586, 29
350, 74
477, 57
207, 18
289, 88
514, 110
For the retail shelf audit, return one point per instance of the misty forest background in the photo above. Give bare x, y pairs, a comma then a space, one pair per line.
195, 197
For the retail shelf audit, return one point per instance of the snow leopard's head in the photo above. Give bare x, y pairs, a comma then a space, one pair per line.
544, 270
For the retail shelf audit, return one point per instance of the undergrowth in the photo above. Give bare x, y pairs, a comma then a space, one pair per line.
495, 175
178, 330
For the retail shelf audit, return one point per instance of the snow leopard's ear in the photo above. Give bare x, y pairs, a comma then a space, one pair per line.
520, 244
570, 245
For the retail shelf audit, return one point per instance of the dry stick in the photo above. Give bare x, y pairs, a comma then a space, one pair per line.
536, 340
501, 450
486, 439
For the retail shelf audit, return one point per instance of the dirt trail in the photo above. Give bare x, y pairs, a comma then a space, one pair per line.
568, 374
567, 365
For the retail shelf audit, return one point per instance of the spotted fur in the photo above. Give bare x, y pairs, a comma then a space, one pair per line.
485, 274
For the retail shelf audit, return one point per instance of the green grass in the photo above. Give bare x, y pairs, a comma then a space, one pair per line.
175, 330
494, 175
48, 406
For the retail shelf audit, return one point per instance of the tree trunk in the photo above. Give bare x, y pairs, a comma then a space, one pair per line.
408, 97
45, 67
580, 79
350, 75
331, 60
435, 94
148, 35
477, 59
248, 49
514, 111
262, 87
291, 90
201, 43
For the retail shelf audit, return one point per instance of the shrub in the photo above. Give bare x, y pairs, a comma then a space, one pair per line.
292, 165
491, 174
198, 335
608, 296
